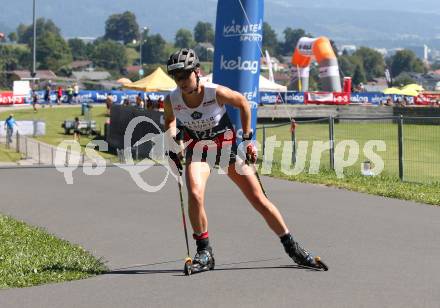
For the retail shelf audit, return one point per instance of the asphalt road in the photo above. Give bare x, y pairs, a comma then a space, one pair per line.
381, 252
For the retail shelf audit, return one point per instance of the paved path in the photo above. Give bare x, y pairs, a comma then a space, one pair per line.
381, 252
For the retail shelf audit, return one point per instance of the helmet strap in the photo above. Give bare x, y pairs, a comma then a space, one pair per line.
196, 89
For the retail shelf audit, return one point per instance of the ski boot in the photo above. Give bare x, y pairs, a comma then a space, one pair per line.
301, 256
204, 258
203, 261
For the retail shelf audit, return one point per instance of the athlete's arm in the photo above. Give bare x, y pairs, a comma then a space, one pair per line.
170, 126
236, 99
170, 119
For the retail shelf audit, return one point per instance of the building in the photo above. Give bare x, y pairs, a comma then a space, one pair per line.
422, 51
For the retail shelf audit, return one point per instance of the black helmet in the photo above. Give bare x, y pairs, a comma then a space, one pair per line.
183, 60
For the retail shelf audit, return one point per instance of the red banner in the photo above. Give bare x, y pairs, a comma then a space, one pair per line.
427, 98
327, 98
7, 98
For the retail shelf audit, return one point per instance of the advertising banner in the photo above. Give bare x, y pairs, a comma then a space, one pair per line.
327, 98
238, 41
7, 98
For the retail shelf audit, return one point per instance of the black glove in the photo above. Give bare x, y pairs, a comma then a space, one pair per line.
175, 158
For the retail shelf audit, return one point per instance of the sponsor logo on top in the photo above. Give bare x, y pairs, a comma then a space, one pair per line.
196, 115
246, 32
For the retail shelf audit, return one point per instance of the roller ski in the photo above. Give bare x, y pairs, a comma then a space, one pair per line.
202, 262
301, 256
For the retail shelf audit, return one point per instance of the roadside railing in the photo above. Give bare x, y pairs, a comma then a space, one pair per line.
404, 147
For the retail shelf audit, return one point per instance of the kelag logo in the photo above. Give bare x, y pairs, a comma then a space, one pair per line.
247, 32
294, 98
269, 98
239, 64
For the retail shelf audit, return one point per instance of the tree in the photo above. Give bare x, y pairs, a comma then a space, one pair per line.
291, 38
270, 41
347, 65
21, 29
372, 61
405, 61
78, 49
122, 27
43, 27
109, 54
52, 52
12, 37
153, 50
13, 57
403, 79
184, 39
204, 32
358, 75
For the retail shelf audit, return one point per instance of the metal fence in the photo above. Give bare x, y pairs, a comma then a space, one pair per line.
403, 147
34, 152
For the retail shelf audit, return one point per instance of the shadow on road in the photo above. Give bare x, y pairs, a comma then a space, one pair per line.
237, 266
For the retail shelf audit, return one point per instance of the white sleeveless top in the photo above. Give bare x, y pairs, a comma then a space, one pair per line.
205, 121
206, 116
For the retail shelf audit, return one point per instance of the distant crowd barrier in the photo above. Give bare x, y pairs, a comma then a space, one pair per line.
335, 98
266, 97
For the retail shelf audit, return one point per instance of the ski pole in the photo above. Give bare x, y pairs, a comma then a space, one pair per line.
247, 161
188, 258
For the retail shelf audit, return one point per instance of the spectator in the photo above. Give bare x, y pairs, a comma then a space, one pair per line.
108, 104
76, 93
139, 101
149, 103
405, 101
76, 130
126, 102
389, 102
69, 94
160, 104
34, 100
47, 96
9, 126
59, 95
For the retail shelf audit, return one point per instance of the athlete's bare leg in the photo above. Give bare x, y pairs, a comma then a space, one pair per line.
197, 174
248, 184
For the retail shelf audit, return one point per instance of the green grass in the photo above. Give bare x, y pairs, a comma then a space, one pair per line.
54, 117
8, 155
29, 256
382, 185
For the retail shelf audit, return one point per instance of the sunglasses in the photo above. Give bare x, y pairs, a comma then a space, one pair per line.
182, 75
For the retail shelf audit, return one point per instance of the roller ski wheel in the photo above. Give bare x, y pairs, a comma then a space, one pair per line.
314, 262
321, 264
301, 256
188, 267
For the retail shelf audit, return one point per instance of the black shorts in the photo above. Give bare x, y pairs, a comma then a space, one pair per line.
220, 150
213, 155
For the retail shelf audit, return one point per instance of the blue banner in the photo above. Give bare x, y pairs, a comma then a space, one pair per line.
264, 97
238, 41
92, 96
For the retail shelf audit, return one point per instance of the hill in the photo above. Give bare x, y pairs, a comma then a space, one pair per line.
385, 23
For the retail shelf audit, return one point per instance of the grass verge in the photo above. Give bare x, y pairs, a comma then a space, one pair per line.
8, 155
29, 256
381, 185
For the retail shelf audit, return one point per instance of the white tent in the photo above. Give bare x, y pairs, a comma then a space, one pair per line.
265, 84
